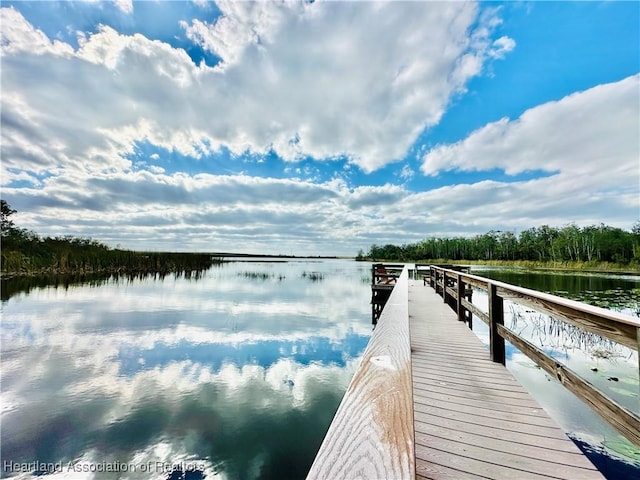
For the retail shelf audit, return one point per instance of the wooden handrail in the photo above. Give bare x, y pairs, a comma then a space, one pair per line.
620, 417
371, 435
615, 326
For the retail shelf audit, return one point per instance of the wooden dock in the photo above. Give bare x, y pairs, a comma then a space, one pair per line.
430, 401
472, 418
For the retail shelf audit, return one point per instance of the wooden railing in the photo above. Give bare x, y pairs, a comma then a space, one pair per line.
385, 273
383, 279
371, 435
606, 323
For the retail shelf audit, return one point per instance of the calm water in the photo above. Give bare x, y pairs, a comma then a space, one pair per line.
609, 366
236, 374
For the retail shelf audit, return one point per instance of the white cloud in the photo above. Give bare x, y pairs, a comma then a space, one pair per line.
203, 3
241, 25
126, 6
18, 35
589, 138
407, 173
360, 80
502, 46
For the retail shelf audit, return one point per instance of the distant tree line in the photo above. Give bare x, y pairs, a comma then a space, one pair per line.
596, 243
25, 252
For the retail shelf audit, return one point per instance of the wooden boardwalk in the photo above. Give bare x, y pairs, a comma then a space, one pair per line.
472, 419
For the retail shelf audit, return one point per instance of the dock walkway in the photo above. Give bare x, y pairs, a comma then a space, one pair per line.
472, 419
430, 401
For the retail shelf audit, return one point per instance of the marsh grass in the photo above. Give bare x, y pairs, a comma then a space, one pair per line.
550, 332
313, 276
256, 275
261, 276
15, 285
61, 258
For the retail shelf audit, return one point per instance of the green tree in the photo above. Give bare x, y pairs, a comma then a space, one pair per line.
7, 224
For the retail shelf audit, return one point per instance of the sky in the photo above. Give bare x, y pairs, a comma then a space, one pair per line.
317, 128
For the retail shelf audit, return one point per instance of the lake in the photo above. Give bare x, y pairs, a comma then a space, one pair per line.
235, 373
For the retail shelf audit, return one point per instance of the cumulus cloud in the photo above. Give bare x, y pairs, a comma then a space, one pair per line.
576, 137
17, 35
326, 80
241, 25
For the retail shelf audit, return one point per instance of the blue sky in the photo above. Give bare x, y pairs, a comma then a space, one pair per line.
317, 128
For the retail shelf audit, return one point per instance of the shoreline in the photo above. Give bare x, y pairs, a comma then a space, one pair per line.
581, 267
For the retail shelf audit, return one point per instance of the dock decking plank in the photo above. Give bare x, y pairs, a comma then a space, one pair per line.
484, 404
472, 418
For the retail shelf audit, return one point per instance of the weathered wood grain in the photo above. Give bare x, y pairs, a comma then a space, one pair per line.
371, 436
609, 324
558, 457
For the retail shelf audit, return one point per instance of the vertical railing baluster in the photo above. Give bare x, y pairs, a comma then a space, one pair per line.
496, 317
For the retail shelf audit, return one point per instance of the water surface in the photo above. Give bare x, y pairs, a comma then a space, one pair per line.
235, 374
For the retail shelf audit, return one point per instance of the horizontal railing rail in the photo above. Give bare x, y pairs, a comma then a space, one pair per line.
372, 435
609, 324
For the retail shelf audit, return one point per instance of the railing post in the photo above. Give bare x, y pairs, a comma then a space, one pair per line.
444, 286
496, 316
470, 314
460, 288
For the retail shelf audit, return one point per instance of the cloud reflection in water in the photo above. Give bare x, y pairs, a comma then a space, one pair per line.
105, 375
